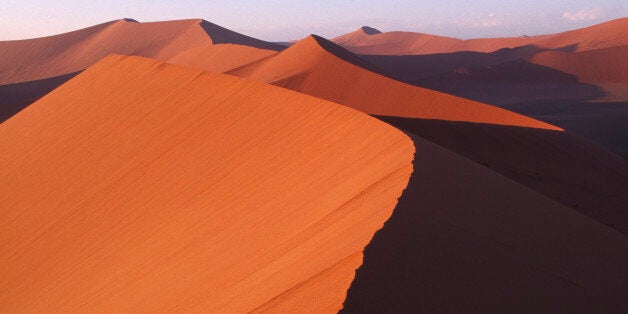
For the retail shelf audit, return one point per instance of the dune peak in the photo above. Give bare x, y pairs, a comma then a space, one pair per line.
370, 30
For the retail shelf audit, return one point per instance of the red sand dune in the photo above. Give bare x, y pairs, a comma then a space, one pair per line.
220, 57
606, 68
605, 35
409, 43
575, 80
528, 151
31, 68
190, 191
609, 34
310, 68
34, 59
140, 186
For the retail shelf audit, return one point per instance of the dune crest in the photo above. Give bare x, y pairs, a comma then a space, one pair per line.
532, 153
220, 57
610, 34
140, 186
323, 69
39, 58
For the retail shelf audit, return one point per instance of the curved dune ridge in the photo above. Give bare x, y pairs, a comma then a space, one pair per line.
464, 239
605, 67
322, 69
39, 58
220, 57
140, 186
528, 151
601, 65
609, 34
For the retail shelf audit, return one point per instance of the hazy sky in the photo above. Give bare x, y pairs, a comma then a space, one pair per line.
293, 19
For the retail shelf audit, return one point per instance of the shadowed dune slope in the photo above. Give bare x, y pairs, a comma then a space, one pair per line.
543, 161
609, 34
606, 68
220, 57
15, 97
572, 171
140, 186
39, 58
464, 239
321, 68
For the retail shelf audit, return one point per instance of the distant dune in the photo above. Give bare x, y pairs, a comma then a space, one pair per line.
606, 67
408, 43
320, 68
575, 80
143, 186
49, 61
34, 59
220, 57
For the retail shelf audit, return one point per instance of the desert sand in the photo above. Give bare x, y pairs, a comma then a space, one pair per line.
40, 58
220, 57
31, 68
143, 186
514, 145
318, 67
464, 239
369, 41
575, 80
185, 190
398, 181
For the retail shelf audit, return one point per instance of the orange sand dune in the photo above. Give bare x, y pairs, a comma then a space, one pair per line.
536, 156
320, 68
609, 34
140, 186
408, 43
606, 68
34, 59
220, 57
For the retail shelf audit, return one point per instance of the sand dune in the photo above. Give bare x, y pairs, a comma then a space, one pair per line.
190, 191
31, 68
536, 156
609, 34
606, 68
220, 57
34, 59
605, 35
575, 80
140, 186
320, 68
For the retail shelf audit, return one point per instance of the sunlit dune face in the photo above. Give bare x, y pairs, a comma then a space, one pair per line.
143, 186
311, 69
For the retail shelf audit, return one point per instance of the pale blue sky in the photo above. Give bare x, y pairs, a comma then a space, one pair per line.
277, 20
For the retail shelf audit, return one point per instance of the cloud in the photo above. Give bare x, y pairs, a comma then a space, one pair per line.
488, 23
480, 23
583, 15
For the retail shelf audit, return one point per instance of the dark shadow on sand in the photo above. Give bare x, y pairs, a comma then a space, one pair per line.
559, 165
464, 241
15, 97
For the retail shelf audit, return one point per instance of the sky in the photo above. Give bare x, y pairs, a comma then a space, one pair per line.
280, 20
